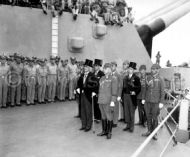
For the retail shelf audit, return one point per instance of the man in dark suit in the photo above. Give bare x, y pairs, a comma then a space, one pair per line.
131, 88
87, 84
98, 74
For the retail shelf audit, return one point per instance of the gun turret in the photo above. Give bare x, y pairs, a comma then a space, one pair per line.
148, 31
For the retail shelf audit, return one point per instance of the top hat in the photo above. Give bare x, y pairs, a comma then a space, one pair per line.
132, 65
98, 62
88, 62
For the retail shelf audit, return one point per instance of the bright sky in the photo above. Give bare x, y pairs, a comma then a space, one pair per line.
173, 43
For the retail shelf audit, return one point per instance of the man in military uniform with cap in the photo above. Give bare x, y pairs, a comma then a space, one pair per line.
16, 74
87, 84
72, 77
131, 88
107, 98
30, 82
42, 81
51, 79
154, 98
141, 95
119, 89
98, 74
4, 70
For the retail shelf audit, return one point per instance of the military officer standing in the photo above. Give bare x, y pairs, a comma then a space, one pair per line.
63, 77
72, 78
154, 99
51, 79
16, 71
30, 82
42, 81
131, 88
87, 84
141, 96
4, 70
119, 89
107, 98
98, 74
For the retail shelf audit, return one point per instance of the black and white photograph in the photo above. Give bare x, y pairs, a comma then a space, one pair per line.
94, 78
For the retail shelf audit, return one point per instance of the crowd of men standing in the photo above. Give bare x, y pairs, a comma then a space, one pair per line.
116, 95
34, 80
104, 94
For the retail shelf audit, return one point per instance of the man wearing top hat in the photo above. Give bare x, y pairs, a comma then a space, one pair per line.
98, 74
154, 98
131, 88
87, 84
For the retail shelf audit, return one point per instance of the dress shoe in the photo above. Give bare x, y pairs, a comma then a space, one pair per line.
87, 129
139, 123
126, 129
155, 137
114, 125
83, 128
18, 105
146, 134
77, 116
131, 130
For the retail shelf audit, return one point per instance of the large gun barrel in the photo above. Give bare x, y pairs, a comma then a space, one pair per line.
161, 11
148, 31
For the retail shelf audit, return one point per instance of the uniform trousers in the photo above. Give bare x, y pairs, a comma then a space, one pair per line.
3, 91
129, 110
152, 112
116, 113
72, 86
86, 112
31, 85
62, 89
51, 87
106, 112
42, 89
16, 91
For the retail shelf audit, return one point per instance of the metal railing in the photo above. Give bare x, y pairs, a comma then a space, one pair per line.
175, 102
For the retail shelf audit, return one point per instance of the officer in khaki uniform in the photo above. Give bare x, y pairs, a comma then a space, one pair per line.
42, 81
16, 70
154, 98
52, 79
72, 78
63, 76
107, 97
4, 70
30, 82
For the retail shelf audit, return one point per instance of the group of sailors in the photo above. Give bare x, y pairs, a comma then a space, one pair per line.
110, 95
31, 80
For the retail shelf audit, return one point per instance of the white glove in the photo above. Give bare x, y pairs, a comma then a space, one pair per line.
74, 91
143, 102
161, 105
78, 90
112, 104
118, 98
93, 94
133, 93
